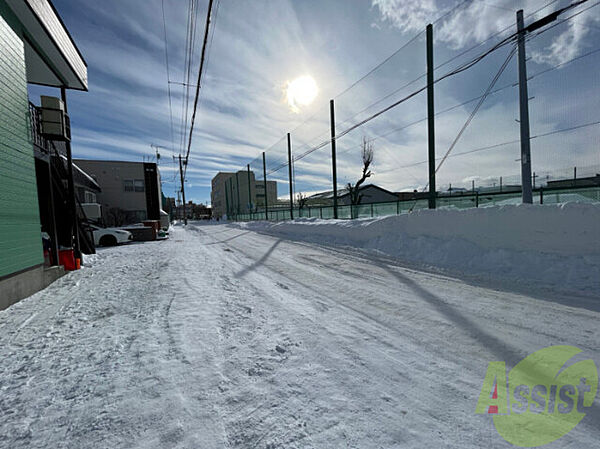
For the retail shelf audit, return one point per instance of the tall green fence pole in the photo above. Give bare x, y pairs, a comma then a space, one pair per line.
265, 181
249, 191
226, 199
430, 117
237, 187
231, 196
333, 158
289, 142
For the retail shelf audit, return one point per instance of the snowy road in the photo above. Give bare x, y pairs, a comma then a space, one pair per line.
220, 337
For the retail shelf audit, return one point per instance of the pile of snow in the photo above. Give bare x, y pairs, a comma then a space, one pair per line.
89, 260
557, 246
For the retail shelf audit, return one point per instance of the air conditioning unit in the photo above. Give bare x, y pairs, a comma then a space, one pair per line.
92, 211
55, 121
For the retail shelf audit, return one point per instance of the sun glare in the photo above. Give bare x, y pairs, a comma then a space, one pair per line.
301, 92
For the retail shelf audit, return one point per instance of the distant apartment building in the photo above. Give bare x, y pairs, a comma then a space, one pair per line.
239, 192
271, 193
131, 191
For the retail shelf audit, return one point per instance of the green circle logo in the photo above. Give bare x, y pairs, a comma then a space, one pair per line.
542, 399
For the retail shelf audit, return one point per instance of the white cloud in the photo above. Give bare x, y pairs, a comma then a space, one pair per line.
568, 43
407, 15
477, 20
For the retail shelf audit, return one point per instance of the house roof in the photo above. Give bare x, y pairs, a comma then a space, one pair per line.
82, 178
344, 191
52, 58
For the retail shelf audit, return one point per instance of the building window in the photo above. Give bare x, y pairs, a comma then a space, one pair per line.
90, 197
138, 185
134, 185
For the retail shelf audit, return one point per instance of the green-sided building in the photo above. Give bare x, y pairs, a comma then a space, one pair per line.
35, 47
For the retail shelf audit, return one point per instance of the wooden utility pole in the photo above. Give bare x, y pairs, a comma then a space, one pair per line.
431, 117
265, 181
249, 191
527, 194
289, 142
333, 158
182, 189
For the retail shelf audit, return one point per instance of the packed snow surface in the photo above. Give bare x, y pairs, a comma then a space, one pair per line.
222, 337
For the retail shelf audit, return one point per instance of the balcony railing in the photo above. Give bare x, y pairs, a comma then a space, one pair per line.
38, 140
42, 145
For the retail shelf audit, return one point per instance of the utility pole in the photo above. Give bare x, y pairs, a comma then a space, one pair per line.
431, 117
527, 194
333, 158
265, 181
289, 142
70, 185
182, 189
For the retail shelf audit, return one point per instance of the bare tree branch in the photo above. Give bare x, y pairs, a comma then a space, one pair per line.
301, 200
367, 159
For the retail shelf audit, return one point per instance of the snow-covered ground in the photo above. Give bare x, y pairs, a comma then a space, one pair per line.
221, 337
556, 246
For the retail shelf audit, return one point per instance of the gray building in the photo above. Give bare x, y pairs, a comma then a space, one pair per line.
239, 192
130, 193
271, 194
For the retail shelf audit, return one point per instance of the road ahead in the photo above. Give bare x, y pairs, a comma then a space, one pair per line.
220, 337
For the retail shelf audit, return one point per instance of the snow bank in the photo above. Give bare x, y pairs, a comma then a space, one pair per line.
547, 245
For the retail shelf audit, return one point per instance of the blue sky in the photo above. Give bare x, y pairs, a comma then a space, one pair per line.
259, 46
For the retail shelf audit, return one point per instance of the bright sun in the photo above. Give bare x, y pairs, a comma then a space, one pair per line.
301, 92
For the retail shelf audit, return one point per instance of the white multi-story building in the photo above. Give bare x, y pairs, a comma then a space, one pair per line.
239, 193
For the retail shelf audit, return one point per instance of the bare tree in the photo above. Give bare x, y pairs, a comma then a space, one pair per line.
367, 160
301, 200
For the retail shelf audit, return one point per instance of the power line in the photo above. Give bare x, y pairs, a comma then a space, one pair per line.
443, 16
410, 41
190, 45
560, 22
168, 74
374, 69
502, 144
208, 53
202, 59
456, 71
183, 89
451, 108
535, 75
476, 109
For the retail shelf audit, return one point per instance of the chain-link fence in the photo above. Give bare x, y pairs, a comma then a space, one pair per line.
476, 125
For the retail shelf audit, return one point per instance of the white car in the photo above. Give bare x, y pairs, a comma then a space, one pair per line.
110, 236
